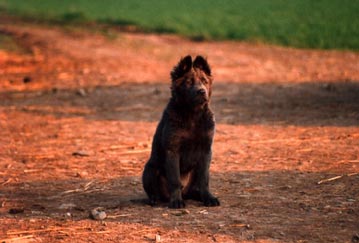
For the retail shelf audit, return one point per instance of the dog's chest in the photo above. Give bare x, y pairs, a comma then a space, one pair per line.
194, 148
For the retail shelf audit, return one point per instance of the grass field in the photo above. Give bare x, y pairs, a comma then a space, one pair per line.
324, 24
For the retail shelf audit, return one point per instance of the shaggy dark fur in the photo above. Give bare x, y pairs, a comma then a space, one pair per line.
181, 150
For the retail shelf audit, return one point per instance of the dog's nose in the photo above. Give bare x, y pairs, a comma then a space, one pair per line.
201, 92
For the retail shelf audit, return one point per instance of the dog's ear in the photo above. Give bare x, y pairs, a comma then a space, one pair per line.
201, 63
184, 65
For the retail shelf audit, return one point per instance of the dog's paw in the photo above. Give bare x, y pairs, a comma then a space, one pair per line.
211, 202
178, 203
152, 201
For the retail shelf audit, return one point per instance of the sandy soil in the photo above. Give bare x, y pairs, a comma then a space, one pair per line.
77, 115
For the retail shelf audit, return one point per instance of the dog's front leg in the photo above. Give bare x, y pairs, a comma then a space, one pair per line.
172, 168
202, 175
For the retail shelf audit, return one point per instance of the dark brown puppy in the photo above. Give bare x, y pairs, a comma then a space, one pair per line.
181, 150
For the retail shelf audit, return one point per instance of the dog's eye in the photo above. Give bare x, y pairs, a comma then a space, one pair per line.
189, 81
204, 80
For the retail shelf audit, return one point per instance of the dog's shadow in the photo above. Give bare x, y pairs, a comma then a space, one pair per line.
78, 196
59, 198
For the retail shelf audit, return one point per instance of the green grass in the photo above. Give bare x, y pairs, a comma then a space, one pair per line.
324, 24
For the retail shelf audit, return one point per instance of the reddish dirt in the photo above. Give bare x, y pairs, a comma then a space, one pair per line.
286, 120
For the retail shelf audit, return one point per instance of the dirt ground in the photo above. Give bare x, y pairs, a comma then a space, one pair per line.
78, 110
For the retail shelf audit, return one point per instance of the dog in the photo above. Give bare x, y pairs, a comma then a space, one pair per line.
178, 167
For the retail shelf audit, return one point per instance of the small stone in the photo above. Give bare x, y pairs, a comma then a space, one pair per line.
26, 79
81, 92
98, 214
81, 153
158, 238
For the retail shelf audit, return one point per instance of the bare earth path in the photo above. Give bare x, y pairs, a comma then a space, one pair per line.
77, 115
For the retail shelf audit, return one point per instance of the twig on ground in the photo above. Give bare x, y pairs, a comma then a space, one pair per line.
93, 232
6, 182
247, 226
85, 188
88, 185
353, 174
354, 161
118, 216
31, 170
330, 179
335, 178
16, 238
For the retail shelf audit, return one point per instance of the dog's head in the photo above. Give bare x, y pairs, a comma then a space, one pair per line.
192, 81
